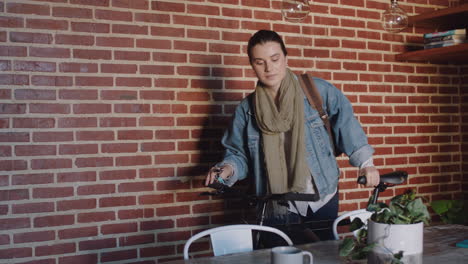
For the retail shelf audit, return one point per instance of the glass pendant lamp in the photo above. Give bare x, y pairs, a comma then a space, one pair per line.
394, 19
295, 10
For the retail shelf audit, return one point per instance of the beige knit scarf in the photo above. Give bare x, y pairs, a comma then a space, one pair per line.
285, 173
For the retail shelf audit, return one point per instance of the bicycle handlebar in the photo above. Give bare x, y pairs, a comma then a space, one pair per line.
396, 177
393, 178
289, 196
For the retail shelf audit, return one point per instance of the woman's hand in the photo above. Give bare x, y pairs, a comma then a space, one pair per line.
372, 175
223, 172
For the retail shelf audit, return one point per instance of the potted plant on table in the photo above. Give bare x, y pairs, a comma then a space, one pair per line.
394, 231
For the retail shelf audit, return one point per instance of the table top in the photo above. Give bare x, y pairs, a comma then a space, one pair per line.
439, 247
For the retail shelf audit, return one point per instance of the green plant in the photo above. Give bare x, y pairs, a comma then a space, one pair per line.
402, 209
451, 211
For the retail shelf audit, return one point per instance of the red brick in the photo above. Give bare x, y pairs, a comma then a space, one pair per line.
192, 221
35, 150
94, 135
94, 81
236, 12
12, 165
95, 217
172, 185
42, 164
119, 148
14, 194
117, 201
53, 192
97, 244
129, 29
133, 82
78, 94
13, 79
136, 213
79, 259
113, 15
156, 225
96, 189
135, 134
156, 199
136, 240
117, 122
11, 22
14, 137
119, 255
136, 187
28, 37
11, 253
19, 8
92, 54
169, 57
119, 228
47, 24
33, 237
52, 136
173, 210
14, 223
117, 175
133, 160
56, 249
56, 220
118, 68
156, 172
90, 27
132, 55
26, 179
72, 12
174, 236
78, 232
13, 108
190, 196
131, 4
189, 20
83, 204
77, 122
152, 18
4, 239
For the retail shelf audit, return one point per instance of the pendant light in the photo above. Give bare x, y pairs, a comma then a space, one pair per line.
295, 10
394, 19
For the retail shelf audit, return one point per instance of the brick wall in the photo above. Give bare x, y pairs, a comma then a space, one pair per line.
464, 130
112, 110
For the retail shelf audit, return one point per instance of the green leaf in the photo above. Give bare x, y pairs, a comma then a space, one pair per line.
356, 224
346, 247
441, 206
418, 208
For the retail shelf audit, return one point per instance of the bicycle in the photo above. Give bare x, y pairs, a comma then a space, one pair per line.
386, 180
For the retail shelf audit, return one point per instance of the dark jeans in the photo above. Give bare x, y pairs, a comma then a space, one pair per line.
307, 229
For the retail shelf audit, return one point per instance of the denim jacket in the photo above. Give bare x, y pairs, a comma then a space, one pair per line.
243, 146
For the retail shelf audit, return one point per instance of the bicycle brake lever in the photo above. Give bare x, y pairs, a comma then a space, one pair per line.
217, 186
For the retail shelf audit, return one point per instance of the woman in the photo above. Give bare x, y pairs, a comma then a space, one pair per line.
280, 140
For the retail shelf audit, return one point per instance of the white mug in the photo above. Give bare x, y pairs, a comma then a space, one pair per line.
289, 255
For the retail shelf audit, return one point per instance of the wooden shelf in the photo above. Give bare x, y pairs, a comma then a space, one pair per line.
439, 20
456, 54
448, 18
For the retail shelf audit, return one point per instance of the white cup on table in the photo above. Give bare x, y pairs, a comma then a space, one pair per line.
290, 255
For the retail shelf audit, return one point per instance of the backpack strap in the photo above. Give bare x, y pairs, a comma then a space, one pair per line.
315, 100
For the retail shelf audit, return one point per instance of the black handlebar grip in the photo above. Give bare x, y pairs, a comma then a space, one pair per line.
396, 177
362, 180
217, 185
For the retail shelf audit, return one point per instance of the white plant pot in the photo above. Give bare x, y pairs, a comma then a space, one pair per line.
391, 239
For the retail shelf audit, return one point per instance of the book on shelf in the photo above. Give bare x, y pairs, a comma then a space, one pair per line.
444, 38
460, 31
444, 43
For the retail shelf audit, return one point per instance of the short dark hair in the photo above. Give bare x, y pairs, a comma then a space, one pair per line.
263, 36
